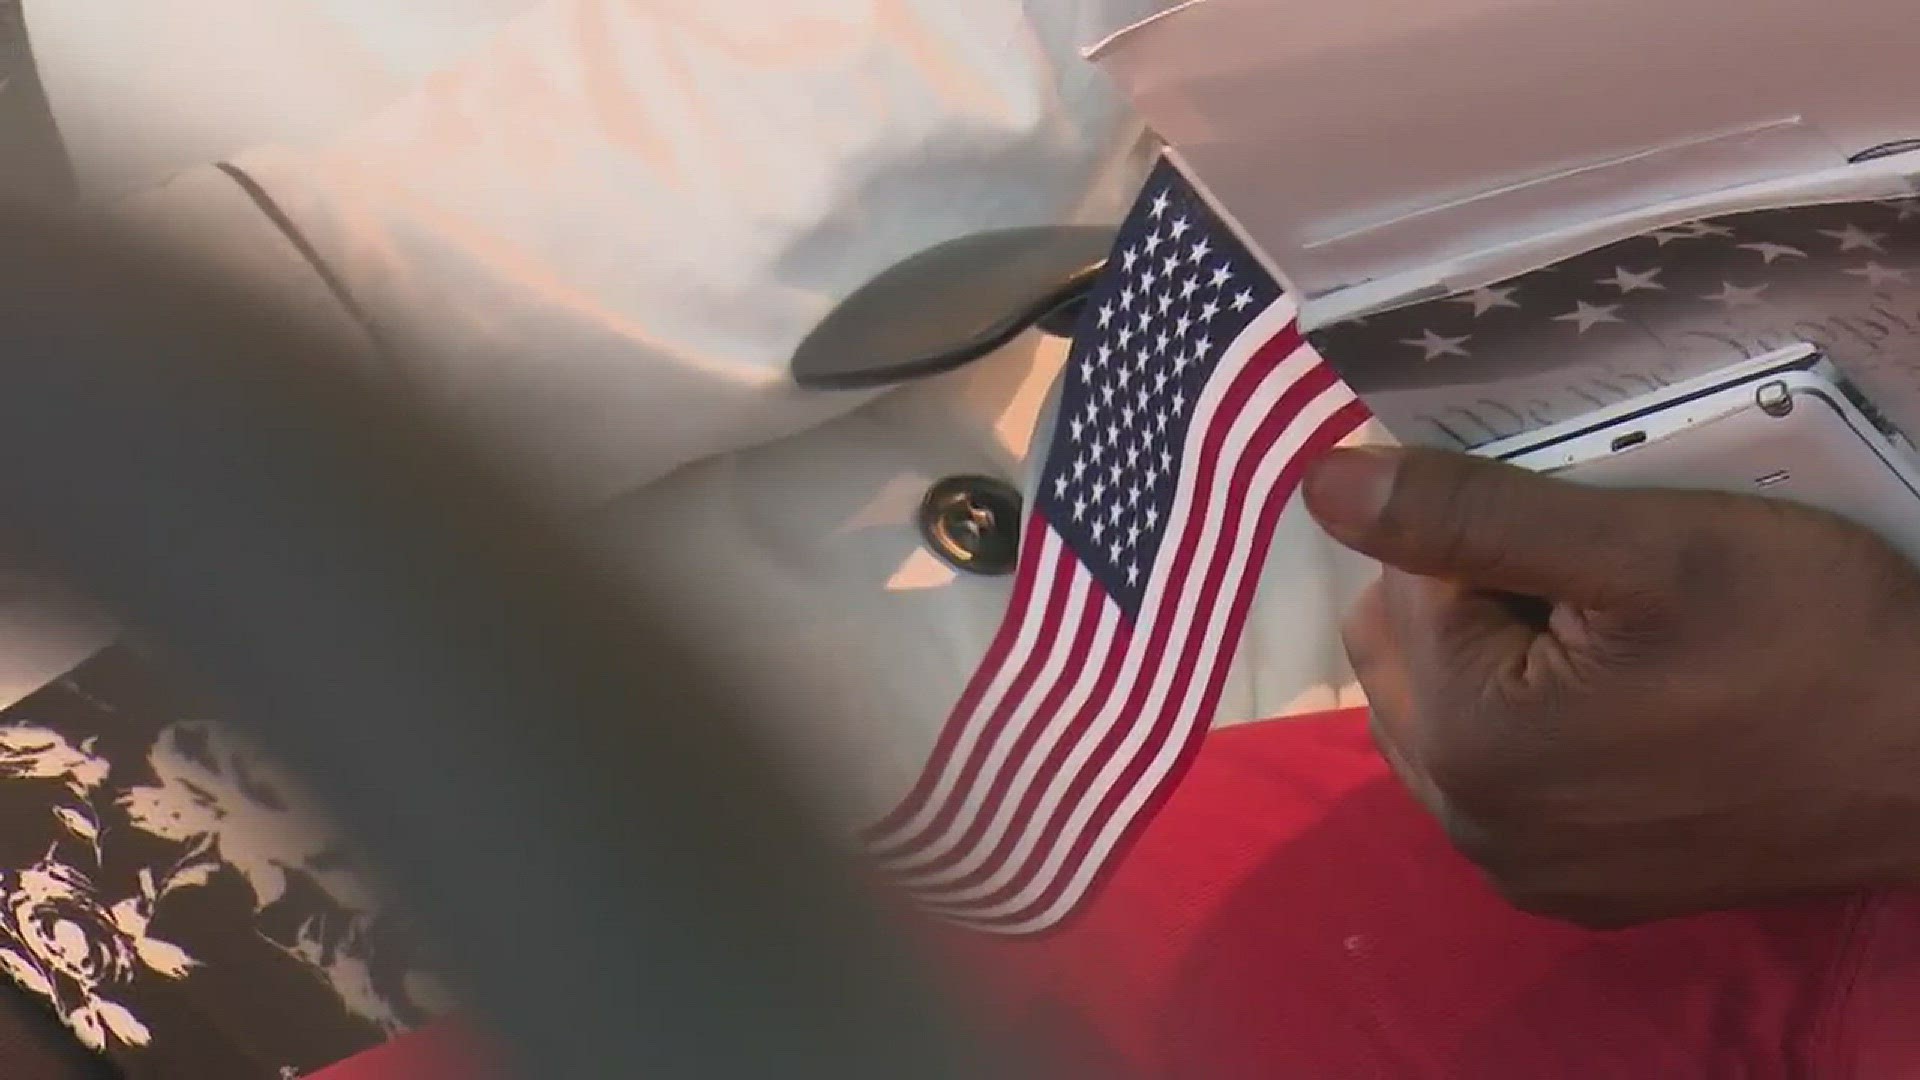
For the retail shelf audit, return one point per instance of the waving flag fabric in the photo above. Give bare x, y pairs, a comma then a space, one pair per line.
1190, 409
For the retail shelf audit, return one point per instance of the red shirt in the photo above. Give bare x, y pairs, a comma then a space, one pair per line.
1291, 912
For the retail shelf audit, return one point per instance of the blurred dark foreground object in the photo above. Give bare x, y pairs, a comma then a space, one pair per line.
613, 873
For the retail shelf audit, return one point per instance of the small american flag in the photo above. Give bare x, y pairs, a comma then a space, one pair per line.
1190, 408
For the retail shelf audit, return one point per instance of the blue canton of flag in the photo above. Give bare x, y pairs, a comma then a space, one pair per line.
1185, 290
1191, 406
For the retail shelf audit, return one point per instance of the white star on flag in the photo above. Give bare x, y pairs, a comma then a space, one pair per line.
1436, 346
1628, 281
1906, 208
1855, 238
1485, 300
1589, 316
1663, 237
1734, 296
1701, 229
1771, 251
1878, 275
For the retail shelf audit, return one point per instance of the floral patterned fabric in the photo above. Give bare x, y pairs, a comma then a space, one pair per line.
175, 898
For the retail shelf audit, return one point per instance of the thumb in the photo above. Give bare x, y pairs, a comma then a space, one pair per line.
1486, 524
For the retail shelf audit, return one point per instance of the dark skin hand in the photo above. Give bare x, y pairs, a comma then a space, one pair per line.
1629, 705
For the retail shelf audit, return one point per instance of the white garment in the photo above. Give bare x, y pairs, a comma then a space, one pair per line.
147, 88
598, 235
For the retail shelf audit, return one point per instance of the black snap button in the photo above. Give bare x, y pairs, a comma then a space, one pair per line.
973, 523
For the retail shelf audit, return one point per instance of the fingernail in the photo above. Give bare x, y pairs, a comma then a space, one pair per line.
1348, 488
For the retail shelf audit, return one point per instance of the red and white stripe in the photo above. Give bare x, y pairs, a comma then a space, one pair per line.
1076, 724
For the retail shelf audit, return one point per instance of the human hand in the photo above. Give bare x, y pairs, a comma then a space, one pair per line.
1628, 705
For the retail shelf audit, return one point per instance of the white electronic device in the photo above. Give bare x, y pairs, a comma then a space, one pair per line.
1787, 425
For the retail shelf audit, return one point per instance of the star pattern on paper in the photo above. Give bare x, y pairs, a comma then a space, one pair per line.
1587, 316
1854, 238
1436, 346
1770, 251
1752, 276
1903, 208
1735, 296
1632, 281
1488, 299
1877, 275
